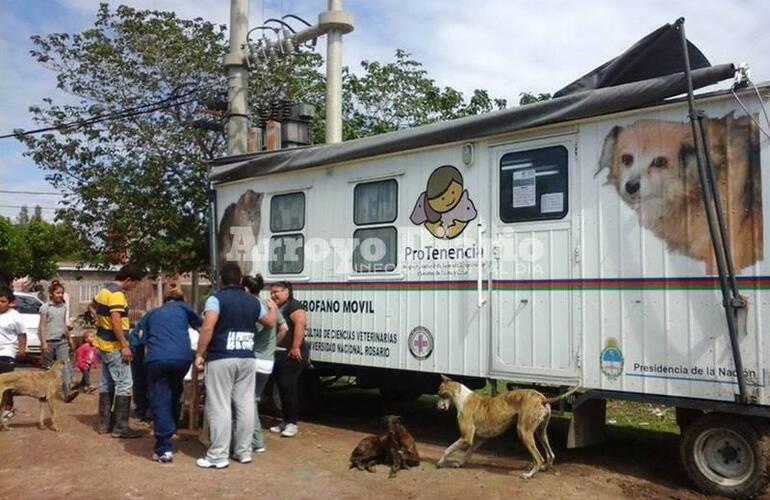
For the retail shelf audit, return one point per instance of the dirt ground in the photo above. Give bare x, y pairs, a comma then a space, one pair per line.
78, 463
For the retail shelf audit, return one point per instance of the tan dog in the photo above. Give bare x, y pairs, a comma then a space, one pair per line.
42, 385
653, 166
482, 417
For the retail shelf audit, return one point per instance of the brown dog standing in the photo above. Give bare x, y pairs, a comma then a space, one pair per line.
42, 385
481, 418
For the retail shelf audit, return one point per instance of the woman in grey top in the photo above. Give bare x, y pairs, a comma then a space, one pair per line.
264, 349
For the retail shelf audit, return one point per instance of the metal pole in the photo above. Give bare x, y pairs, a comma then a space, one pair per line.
715, 222
237, 79
334, 80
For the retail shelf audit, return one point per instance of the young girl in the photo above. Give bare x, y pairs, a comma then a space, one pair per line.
86, 359
55, 341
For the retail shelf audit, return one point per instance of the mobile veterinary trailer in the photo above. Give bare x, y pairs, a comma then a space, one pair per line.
557, 243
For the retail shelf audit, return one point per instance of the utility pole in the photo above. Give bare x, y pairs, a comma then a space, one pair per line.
338, 23
237, 79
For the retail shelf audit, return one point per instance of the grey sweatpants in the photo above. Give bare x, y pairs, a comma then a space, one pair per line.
230, 407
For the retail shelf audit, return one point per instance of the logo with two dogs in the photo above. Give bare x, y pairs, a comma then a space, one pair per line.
420, 343
611, 360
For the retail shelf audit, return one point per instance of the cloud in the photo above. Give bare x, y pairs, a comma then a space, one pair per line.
504, 46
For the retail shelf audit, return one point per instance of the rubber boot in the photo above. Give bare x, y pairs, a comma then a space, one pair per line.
121, 429
69, 393
105, 412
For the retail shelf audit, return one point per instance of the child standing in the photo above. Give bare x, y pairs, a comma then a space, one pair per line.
13, 333
55, 340
86, 359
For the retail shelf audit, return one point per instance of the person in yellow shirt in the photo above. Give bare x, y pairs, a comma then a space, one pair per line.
110, 308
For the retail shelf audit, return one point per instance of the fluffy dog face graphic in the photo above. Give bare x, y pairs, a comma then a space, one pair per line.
653, 166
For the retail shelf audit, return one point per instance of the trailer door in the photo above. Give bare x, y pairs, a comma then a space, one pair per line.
533, 260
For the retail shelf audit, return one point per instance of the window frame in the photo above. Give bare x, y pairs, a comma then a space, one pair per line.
379, 181
356, 250
505, 208
304, 212
271, 261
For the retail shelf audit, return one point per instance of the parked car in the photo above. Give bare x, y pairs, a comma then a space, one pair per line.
28, 306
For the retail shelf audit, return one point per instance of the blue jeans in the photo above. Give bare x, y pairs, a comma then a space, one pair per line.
140, 384
166, 382
116, 375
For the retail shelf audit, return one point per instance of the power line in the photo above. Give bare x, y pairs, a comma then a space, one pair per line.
28, 207
125, 113
13, 191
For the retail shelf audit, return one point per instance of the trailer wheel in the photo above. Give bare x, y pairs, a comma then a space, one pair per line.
725, 455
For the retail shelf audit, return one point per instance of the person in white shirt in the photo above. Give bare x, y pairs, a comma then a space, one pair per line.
13, 342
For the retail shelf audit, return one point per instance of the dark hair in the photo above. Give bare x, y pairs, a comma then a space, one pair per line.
55, 285
440, 179
231, 274
130, 272
287, 285
7, 293
173, 294
254, 284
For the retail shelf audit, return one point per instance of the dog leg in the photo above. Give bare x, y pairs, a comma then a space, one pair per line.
451, 449
52, 411
527, 437
41, 418
370, 465
471, 449
542, 434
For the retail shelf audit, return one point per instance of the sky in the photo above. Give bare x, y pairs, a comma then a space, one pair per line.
504, 46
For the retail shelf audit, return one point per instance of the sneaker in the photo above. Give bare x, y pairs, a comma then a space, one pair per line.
205, 464
243, 460
164, 458
278, 428
290, 430
260, 449
8, 414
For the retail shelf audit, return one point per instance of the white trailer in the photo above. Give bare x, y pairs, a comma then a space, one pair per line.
557, 243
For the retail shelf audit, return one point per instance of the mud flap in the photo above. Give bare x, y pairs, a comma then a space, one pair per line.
587, 425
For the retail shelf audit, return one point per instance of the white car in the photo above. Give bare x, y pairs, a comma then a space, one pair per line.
28, 306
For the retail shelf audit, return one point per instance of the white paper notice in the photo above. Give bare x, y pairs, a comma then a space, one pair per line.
551, 202
524, 188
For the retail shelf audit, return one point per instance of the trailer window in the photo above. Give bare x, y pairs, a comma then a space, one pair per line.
533, 185
287, 254
287, 212
375, 250
375, 202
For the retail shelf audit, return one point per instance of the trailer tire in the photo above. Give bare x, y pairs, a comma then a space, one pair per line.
726, 455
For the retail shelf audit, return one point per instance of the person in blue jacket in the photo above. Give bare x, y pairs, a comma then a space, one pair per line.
167, 359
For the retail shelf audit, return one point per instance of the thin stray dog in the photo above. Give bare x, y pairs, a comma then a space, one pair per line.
42, 385
482, 417
395, 446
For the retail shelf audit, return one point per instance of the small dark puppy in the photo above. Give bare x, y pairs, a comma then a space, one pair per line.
395, 447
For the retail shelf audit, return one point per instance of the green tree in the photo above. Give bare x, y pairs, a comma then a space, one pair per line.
400, 95
531, 97
34, 249
136, 183
23, 217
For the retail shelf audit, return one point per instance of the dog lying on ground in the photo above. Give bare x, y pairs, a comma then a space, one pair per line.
395, 446
42, 385
653, 166
482, 417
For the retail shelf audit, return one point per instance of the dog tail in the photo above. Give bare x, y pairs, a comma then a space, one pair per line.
570, 392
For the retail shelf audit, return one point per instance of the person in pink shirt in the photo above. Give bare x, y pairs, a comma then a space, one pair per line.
86, 359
